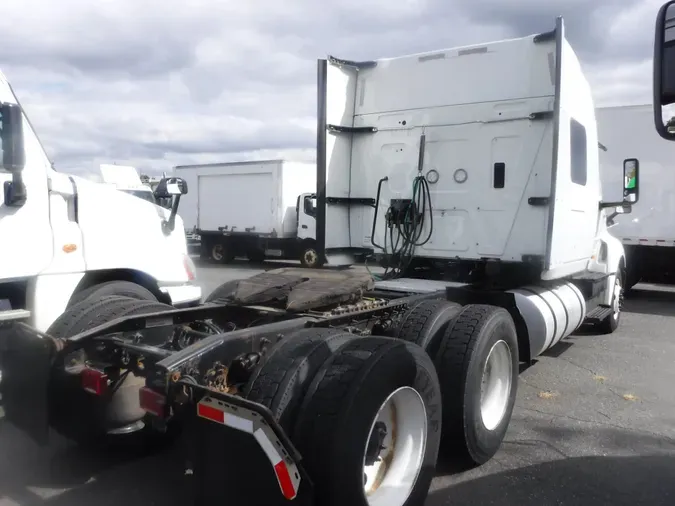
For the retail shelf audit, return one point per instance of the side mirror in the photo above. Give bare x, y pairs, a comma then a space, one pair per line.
664, 71
11, 137
13, 153
170, 187
631, 180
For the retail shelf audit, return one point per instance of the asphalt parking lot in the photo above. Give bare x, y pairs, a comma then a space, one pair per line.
594, 424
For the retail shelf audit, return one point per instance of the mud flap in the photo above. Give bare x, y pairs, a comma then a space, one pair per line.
25, 361
240, 455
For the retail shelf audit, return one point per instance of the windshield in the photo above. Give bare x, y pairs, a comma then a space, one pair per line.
145, 195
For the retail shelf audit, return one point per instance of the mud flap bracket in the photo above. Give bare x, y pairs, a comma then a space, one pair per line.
242, 456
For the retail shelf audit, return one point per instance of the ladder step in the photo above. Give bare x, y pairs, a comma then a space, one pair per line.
598, 314
14, 314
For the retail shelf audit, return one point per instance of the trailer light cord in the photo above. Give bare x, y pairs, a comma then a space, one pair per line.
404, 224
404, 234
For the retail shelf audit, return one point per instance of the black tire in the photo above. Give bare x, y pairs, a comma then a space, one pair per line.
611, 322
284, 377
339, 409
425, 323
219, 253
109, 288
75, 414
309, 258
460, 362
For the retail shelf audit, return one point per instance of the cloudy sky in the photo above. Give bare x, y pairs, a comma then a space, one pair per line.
156, 83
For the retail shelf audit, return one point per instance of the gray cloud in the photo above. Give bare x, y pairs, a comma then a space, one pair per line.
167, 82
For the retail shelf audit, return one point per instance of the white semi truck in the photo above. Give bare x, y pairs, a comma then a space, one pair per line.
648, 232
66, 239
256, 209
326, 387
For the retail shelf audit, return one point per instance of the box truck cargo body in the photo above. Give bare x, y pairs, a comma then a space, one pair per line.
256, 209
648, 231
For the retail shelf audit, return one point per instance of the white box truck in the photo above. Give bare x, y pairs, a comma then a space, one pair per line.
648, 232
256, 209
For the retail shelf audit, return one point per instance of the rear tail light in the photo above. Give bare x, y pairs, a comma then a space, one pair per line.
94, 382
152, 402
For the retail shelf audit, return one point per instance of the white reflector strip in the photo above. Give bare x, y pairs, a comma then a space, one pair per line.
248, 421
267, 447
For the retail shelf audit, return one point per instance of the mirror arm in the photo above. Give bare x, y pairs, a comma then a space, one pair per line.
605, 205
169, 225
15, 191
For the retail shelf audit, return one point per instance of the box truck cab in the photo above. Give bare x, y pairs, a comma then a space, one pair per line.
65, 239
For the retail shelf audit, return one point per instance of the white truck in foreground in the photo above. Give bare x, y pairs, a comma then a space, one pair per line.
66, 239
326, 387
256, 209
648, 232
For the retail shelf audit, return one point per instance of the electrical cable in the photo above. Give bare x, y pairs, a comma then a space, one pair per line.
403, 236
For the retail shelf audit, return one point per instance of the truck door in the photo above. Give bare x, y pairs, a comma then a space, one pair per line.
25, 230
307, 216
575, 186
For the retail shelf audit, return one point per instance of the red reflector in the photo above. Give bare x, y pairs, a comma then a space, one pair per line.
210, 413
285, 480
94, 382
151, 401
189, 268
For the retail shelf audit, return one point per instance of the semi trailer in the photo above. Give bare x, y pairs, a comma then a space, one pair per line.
66, 239
648, 232
327, 387
254, 209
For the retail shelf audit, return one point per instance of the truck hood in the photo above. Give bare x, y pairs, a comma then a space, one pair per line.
121, 231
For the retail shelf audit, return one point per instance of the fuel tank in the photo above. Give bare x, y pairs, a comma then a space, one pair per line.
551, 312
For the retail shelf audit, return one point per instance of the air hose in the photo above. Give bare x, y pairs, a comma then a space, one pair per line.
405, 223
404, 228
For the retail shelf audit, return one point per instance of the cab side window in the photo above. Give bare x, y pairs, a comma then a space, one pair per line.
578, 155
310, 206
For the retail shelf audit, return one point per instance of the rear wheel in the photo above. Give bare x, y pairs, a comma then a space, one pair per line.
369, 426
477, 363
83, 417
425, 324
310, 257
284, 377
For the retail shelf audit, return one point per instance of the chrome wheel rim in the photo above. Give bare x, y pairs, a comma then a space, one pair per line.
311, 257
395, 449
217, 252
496, 385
